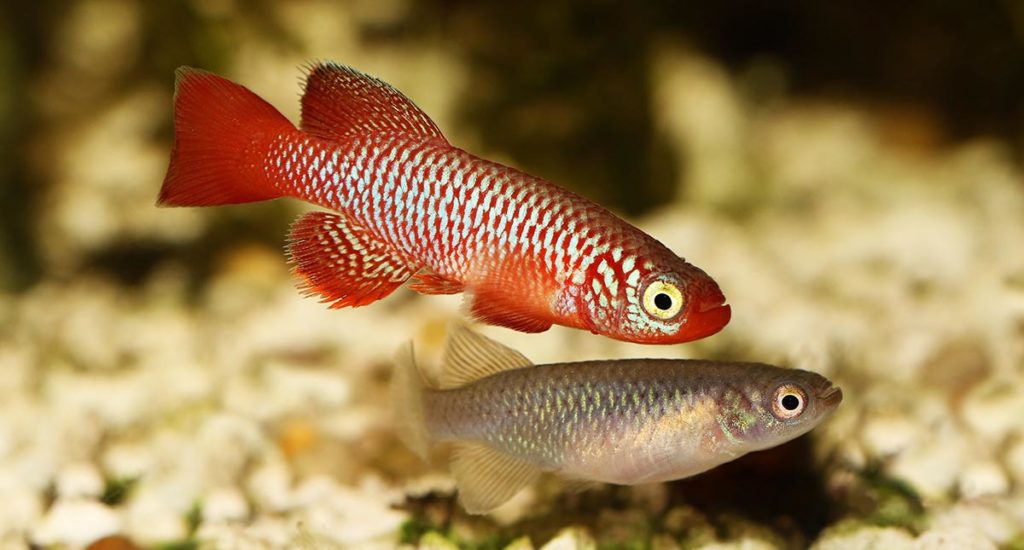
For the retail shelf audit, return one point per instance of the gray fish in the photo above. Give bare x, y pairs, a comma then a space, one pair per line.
619, 421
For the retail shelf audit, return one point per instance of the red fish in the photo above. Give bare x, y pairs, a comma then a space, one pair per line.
405, 204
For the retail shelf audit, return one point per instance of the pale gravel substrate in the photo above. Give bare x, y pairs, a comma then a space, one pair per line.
899, 274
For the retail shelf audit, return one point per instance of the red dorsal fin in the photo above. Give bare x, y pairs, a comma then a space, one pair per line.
340, 102
342, 262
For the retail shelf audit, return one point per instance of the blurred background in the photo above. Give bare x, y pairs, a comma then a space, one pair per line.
849, 172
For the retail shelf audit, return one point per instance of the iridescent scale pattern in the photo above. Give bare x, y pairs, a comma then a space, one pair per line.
461, 216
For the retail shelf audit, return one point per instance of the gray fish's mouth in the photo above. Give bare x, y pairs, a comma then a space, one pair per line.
832, 396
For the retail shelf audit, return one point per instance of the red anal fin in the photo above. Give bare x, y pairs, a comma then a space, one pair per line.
432, 283
340, 102
511, 293
342, 263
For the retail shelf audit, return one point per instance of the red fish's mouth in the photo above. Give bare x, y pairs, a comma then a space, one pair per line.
709, 315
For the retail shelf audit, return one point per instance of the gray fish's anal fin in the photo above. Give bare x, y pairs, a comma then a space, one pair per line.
576, 485
469, 356
486, 478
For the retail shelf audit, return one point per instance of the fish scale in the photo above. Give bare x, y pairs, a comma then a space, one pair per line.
529, 254
620, 421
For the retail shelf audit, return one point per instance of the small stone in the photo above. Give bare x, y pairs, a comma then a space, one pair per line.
270, 485
982, 516
931, 467
983, 478
571, 538
22, 507
75, 522
151, 518
79, 480
1014, 461
224, 504
346, 515
436, 541
127, 461
954, 538
865, 538
885, 435
113, 542
993, 409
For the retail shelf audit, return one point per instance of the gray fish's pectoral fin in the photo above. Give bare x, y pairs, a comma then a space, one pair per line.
469, 356
486, 478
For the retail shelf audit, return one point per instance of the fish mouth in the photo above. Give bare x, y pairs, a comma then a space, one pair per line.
832, 396
709, 315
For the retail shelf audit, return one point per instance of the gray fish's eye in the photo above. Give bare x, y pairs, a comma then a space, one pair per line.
789, 401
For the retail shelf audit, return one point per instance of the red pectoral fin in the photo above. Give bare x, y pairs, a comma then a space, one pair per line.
494, 307
431, 283
513, 292
342, 263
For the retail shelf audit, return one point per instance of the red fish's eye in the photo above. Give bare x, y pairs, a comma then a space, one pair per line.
662, 300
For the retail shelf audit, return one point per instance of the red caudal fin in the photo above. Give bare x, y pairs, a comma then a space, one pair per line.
219, 128
342, 263
340, 102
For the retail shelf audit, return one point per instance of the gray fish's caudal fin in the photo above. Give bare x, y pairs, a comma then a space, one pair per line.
407, 387
486, 478
469, 356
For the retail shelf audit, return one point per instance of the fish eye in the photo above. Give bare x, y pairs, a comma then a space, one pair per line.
662, 300
789, 402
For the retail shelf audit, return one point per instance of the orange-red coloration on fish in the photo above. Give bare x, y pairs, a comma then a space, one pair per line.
407, 204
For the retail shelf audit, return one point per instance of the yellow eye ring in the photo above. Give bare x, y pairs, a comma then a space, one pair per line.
789, 402
662, 300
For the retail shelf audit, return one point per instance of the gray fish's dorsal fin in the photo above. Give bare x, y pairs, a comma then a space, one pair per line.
469, 356
486, 478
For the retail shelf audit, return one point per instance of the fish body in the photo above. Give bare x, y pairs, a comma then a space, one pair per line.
623, 421
406, 204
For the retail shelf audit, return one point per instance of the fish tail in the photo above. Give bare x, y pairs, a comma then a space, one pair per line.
407, 388
218, 126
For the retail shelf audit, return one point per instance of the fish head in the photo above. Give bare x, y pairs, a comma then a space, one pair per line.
648, 301
776, 406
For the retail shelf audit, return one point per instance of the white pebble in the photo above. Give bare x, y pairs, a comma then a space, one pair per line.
349, 516
931, 467
151, 520
75, 523
79, 480
128, 461
993, 409
983, 478
866, 538
270, 485
224, 504
981, 516
571, 538
955, 538
1014, 461
22, 507
888, 434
